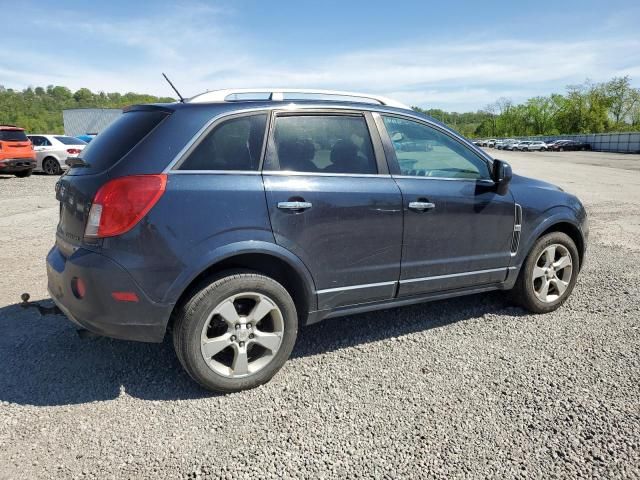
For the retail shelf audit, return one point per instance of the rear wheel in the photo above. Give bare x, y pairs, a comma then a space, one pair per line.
548, 274
236, 332
24, 173
50, 166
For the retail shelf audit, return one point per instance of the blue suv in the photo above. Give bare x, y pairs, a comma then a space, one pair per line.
235, 217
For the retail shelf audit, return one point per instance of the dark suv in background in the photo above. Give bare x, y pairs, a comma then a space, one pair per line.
237, 216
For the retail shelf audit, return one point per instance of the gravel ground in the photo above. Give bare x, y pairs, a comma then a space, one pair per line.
470, 387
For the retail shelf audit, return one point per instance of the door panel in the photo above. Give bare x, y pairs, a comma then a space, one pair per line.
457, 229
464, 240
350, 237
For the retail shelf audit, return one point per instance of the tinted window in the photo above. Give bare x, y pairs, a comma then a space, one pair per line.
70, 140
425, 152
322, 143
39, 141
233, 145
117, 140
12, 136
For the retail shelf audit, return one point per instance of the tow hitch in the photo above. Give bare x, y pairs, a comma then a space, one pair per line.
43, 310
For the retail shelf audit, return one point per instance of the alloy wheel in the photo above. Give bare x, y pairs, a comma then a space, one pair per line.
242, 335
50, 166
552, 273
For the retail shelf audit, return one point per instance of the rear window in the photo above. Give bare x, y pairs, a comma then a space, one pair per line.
70, 140
117, 140
13, 136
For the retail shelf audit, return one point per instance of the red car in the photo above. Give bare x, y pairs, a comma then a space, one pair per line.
16, 152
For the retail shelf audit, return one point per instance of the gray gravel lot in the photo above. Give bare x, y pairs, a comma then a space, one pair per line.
470, 387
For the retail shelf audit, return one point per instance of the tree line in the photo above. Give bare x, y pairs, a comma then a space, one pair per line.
612, 106
590, 107
40, 109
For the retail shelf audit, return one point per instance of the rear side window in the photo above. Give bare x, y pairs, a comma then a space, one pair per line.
233, 145
117, 140
13, 136
39, 141
70, 140
322, 144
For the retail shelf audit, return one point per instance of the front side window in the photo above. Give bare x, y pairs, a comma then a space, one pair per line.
423, 151
235, 144
322, 144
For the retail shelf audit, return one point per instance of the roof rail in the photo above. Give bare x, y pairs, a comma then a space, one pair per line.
277, 95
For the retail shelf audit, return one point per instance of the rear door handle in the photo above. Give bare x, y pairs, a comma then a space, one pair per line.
294, 205
421, 206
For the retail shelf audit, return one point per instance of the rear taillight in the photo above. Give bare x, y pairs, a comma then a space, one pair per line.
121, 203
73, 151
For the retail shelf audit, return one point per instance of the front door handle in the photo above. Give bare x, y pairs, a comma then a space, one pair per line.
421, 206
297, 206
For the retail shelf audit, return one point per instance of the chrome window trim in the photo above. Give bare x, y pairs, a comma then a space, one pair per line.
293, 107
356, 287
216, 172
484, 181
290, 173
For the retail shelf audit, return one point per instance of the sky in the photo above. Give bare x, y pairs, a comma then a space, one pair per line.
458, 56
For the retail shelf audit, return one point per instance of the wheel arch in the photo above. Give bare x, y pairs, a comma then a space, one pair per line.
572, 231
272, 261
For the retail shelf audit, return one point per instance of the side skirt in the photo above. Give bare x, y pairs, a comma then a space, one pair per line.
319, 315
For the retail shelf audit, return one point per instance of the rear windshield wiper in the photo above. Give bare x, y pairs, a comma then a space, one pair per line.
76, 162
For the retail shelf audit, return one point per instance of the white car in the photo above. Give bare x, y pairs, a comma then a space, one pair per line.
52, 152
536, 145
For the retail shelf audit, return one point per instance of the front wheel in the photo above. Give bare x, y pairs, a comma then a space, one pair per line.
236, 332
548, 274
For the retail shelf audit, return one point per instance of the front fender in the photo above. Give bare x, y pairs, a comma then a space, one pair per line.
533, 228
216, 255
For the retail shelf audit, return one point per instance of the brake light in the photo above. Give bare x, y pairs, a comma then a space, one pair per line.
121, 203
73, 151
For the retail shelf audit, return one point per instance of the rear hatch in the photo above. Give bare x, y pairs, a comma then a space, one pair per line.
15, 144
76, 189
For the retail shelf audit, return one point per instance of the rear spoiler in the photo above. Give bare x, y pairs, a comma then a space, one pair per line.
151, 107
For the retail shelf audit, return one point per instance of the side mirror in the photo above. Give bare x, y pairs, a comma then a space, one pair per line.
501, 176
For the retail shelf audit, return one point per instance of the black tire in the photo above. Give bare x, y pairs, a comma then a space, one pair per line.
523, 290
193, 314
24, 173
51, 166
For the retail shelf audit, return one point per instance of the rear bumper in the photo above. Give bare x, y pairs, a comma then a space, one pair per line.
12, 165
98, 311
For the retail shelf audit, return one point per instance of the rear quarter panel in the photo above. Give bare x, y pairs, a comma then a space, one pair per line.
197, 215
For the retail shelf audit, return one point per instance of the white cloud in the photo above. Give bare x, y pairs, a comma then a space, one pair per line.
210, 53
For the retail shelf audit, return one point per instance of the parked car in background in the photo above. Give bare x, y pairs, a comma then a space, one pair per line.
491, 143
551, 143
52, 152
504, 143
183, 218
87, 137
536, 145
16, 152
569, 145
